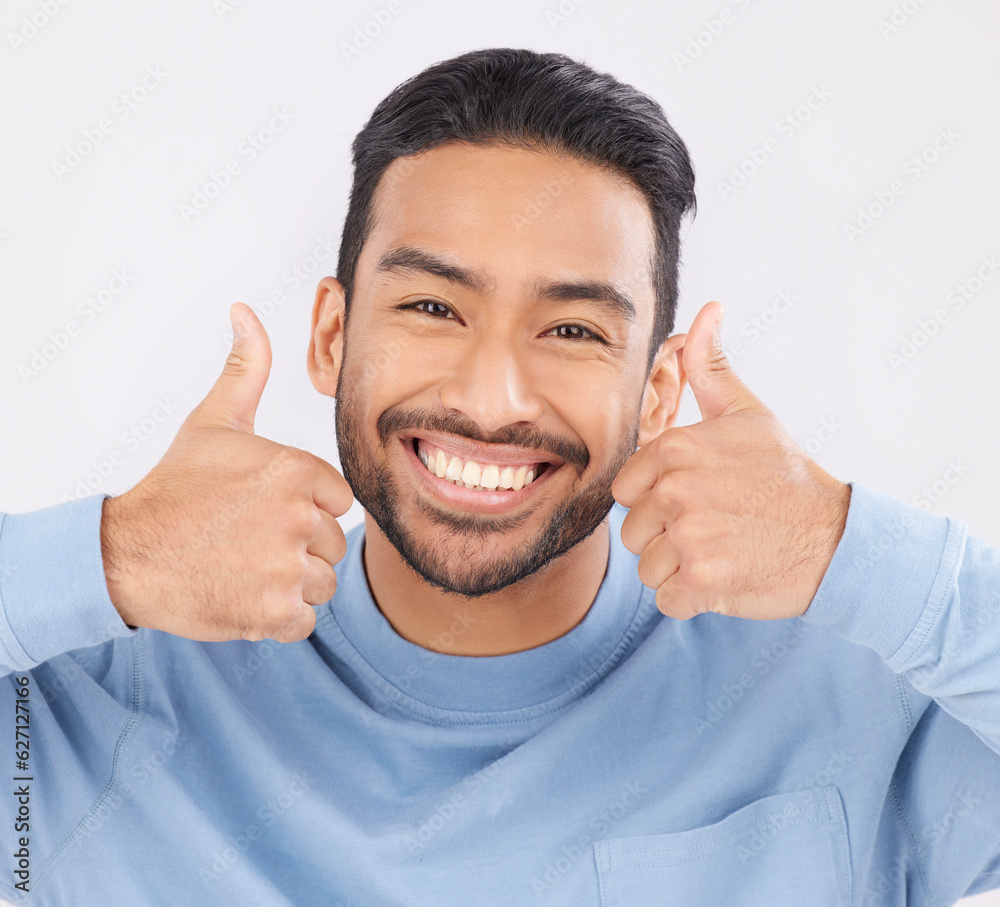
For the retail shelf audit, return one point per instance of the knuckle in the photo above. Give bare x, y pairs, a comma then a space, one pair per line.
301, 462
340, 546
678, 532
236, 364
627, 532
277, 612
294, 566
282, 568
666, 490
644, 570
717, 362
284, 636
331, 585
313, 519
304, 520
700, 573
719, 605
288, 462
676, 439
251, 633
305, 628
297, 627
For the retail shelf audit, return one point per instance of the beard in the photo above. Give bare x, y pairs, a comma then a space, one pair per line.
467, 554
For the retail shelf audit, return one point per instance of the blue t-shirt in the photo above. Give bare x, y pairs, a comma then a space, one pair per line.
847, 757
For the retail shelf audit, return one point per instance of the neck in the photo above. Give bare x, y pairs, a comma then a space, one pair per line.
526, 614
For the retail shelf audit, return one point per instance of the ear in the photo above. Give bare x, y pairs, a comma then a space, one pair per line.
662, 395
326, 340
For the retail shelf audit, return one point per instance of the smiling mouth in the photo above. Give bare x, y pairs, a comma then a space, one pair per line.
474, 475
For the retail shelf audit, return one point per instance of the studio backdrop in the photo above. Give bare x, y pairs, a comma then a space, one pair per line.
162, 161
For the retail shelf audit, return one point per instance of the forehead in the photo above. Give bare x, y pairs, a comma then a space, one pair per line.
517, 213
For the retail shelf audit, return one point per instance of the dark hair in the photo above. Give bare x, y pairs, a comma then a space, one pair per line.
519, 97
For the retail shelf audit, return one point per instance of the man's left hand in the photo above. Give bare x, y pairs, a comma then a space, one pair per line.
729, 514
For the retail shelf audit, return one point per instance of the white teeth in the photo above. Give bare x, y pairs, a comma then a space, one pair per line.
471, 474
488, 477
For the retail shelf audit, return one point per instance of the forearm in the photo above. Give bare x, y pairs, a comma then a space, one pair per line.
921, 592
53, 592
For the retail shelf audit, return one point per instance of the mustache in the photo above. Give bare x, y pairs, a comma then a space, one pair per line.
397, 419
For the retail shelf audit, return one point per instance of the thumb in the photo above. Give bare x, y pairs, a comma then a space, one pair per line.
233, 399
716, 387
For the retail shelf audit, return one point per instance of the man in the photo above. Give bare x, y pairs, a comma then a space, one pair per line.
549, 667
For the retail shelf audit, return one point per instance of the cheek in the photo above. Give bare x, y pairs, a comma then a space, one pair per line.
597, 402
384, 364
604, 423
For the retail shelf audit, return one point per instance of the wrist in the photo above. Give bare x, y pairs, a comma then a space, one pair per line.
830, 525
118, 568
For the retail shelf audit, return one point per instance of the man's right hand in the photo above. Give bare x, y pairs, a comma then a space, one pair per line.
230, 536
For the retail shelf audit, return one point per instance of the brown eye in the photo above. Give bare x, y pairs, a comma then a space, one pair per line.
590, 335
419, 302
582, 333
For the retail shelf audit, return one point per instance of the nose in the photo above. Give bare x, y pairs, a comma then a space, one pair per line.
492, 385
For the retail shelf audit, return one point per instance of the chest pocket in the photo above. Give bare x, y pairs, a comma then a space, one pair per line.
784, 849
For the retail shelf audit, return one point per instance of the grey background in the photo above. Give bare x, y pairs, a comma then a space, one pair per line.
886, 79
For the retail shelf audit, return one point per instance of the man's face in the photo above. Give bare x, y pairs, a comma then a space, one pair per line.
479, 361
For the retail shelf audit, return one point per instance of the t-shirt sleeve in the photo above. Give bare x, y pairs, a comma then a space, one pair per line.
925, 595
53, 592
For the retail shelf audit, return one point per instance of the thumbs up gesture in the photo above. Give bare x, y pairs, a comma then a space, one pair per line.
728, 515
230, 536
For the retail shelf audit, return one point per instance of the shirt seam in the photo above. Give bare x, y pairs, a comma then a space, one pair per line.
912, 843
137, 708
903, 688
20, 659
537, 709
945, 577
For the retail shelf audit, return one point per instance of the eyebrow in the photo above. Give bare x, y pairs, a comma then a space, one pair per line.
409, 259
